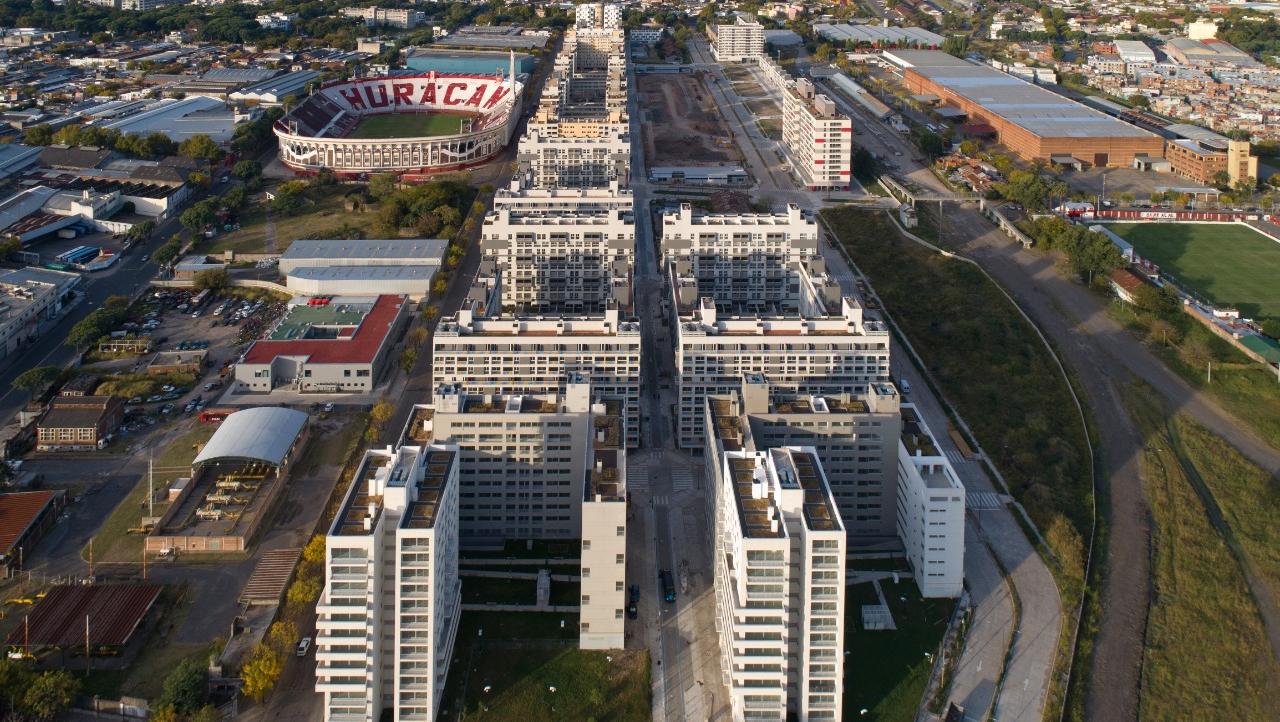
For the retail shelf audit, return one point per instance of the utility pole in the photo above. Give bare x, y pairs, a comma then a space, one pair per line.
87, 657
1210, 373
151, 479
90, 556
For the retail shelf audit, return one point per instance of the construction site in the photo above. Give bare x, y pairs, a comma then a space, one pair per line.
235, 483
683, 124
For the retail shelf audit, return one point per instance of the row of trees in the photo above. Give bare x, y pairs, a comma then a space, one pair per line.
1088, 253
150, 147
100, 322
26, 694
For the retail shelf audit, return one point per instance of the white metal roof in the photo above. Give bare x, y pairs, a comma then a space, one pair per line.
264, 434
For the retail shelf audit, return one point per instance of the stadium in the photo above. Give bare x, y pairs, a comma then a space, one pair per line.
408, 124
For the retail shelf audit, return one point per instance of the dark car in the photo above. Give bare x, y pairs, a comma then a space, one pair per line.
633, 601
668, 586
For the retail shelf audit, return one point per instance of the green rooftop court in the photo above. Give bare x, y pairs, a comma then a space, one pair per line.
318, 321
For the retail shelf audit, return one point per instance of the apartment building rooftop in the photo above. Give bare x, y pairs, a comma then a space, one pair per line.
770, 319
757, 511
468, 323
802, 469
605, 478
793, 214
818, 405
421, 513
519, 404
725, 419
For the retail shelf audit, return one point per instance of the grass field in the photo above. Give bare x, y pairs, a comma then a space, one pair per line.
113, 542
1206, 655
886, 672
1227, 264
520, 656
408, 125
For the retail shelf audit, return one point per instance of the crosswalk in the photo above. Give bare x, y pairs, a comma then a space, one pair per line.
984, 500
955, 457
681, 480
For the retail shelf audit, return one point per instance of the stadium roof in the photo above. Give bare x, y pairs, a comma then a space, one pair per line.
260, 434
1030, 106
425, 250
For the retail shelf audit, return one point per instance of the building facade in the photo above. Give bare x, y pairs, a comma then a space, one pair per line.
818, 140
507, 355
740, 257
741, 41
389, 611
930, 510
779, 578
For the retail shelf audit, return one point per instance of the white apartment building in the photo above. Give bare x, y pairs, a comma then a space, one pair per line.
818, 140
809, 352
561, 256
543, 467
856, 438
739, 42
740, 257
779, 577
388, 615
930, 510
575, 155
393, 17
506, 355
598, 15
29, 299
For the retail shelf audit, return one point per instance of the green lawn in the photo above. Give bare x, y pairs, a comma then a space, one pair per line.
520, 656
886, 672
113, 542
408, 125
1228, 264
1206, 655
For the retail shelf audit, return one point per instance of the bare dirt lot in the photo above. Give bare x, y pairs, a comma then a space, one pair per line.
684, 124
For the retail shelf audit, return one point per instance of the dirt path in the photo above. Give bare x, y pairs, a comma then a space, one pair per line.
1104, 356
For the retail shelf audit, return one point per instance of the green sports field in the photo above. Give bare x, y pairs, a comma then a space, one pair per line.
1228, 264
408, 125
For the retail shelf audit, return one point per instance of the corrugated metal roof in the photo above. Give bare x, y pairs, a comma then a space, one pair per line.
263, 434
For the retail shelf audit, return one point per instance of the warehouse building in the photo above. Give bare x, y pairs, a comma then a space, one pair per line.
1033, 122
398, 266
79, 423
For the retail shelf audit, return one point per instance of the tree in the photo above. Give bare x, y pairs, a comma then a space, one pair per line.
50, 694
186, 688
380, 415
823, 53
202, 180
417, 337
37, 379
408, 358
957, 45
304, 590
214, 279
383, 185
141, 231
260, 672
38, 135
969, 148
246, 169
197, 218
289, 200
281, 637
1138, 100
1271, 327
200, 147
9, 246
314, 552
1222, 180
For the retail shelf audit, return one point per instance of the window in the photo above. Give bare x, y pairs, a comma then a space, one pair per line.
586, 599
586, 544
622, 531
619, 558
617, 586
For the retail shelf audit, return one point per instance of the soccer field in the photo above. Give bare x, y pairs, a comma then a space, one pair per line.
1228, 264
408, 125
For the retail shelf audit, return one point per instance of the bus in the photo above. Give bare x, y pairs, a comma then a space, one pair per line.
201, 298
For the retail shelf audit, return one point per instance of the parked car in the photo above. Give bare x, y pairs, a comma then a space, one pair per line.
633, 601
304, 645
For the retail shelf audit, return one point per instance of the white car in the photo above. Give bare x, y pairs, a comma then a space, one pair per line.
304, 646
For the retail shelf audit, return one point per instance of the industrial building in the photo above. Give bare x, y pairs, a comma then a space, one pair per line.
1202, 157
508, 355
24, 519
236, 482
29, 297
79, 423
182, 119
1032, 121
397, 266
885, 36
338, 344
389, 612
739, 41
779, 575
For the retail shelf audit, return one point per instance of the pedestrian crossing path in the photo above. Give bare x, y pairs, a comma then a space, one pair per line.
955, 457
681, 480
984, 500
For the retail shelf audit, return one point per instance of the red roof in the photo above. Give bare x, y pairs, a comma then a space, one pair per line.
360, 347
17, 511
114, 612
1128, 280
